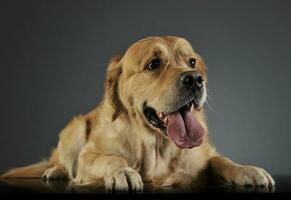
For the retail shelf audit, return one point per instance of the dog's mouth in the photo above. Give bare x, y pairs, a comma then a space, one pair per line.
181, 125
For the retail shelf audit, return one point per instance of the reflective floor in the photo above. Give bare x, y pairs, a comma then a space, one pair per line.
283, 185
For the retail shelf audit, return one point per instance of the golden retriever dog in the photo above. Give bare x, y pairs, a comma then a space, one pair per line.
150, 127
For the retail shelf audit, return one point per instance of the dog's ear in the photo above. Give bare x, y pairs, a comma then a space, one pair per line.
114, 71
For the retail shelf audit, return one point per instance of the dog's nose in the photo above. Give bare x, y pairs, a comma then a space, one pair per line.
190, 79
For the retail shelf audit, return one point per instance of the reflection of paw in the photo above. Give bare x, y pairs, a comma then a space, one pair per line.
55, 173
124, 179
252, 176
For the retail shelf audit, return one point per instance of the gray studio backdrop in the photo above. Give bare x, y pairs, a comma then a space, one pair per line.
54, 54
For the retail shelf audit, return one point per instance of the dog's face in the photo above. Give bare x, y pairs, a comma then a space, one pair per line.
162, 82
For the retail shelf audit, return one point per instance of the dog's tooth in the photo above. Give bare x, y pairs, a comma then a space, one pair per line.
165, 120
161, 115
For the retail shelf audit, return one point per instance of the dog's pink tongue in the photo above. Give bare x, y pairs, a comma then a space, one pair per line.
184, 129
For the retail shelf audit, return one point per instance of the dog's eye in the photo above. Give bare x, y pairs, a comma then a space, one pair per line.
192, 62
154, 64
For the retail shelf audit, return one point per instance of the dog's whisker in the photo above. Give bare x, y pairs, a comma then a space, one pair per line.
209, 96
209, 105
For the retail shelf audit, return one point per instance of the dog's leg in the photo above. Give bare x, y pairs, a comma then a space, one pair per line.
179, 178
64, 157
244, 175
113, 170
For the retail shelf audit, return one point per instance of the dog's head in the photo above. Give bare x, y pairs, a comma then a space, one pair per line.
161, 82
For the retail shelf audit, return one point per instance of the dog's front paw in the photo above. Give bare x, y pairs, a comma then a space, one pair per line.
252, 176
123, 180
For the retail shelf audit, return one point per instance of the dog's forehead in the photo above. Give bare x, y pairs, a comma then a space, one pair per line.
168, 45
171, 43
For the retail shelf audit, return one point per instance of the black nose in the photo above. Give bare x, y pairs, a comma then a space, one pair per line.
190, 79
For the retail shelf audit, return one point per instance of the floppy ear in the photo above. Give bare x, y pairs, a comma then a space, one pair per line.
111, 86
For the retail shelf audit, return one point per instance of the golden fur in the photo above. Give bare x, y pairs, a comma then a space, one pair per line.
114, 144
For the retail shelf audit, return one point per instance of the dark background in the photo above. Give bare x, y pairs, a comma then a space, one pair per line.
53, 56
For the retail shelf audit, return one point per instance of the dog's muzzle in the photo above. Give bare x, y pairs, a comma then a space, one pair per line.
179, 122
